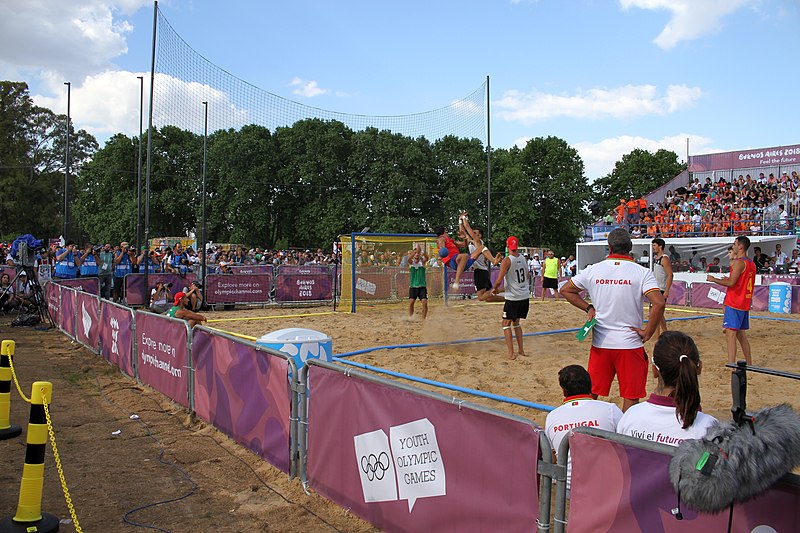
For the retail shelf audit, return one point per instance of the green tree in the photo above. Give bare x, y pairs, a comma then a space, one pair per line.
460, 182
637, 174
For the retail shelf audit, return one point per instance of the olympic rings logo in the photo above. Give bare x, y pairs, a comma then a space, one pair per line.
375, 467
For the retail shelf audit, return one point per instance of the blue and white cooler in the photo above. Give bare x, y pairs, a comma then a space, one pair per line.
780, 297
300, 344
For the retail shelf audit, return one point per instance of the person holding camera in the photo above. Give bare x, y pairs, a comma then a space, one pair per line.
67, 262
195, 295
124, 259
178, 262
148, 262
105, 272
88, 261
161, 297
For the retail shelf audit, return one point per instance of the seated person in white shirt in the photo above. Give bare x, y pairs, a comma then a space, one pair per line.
578, 410
672, 413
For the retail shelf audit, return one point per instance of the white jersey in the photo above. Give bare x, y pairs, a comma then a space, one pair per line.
579, 411
516, 279
655, 420
480, 262
617, 287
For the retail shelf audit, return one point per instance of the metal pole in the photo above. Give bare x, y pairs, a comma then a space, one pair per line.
203, 223
139, 171
149, 156
66, 166
488, 167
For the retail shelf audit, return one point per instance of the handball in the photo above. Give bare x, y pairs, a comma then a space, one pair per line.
443, 252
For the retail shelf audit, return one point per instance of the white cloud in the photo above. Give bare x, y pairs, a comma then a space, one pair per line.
599, 158
74, 39
626, 102
691, 19
308, 89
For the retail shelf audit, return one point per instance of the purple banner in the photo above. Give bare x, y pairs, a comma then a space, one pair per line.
228, 288
88, 324
677, 293
406, 462
116, 336
66, 315
90, 285
162, 355
374, 285
637, 495
244, 393
762, 157
785, 278
134, 285
795, 300
304, 283
708, 295
52, 292
252, 269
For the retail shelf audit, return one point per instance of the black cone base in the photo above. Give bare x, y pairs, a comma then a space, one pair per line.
10, 432
47, 524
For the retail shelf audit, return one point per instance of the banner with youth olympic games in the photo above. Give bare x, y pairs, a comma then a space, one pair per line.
638, 496
244, 393
239, 288
301, 283
162, 355
407, 462
116, 335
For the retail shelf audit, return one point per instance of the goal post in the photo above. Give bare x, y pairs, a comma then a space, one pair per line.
375, 267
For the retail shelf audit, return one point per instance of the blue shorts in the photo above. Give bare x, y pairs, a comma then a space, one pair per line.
454, 263
736, 319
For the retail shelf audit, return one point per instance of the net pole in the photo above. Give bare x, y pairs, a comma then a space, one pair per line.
203, 222
488, 169
149, 156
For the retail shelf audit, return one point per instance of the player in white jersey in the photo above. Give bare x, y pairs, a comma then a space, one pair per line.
578, 409
516, 277
672, 413
617, 287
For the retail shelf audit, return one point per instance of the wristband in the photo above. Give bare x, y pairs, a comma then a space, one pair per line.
589, 308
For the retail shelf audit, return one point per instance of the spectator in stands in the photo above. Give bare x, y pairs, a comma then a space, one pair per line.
713, 266
761, 260
124, 259
88, 261
672, 413
68, 261
106, 270
674, 256
793, 266
179, 310
579, 409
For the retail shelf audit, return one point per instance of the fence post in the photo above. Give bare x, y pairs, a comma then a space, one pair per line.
29, 515
7, 429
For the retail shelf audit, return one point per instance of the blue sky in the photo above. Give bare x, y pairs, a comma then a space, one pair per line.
607, 76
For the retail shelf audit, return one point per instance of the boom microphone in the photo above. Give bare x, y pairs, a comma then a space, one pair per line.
734, 463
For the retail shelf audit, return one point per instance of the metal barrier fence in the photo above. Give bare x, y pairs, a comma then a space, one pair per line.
366, 442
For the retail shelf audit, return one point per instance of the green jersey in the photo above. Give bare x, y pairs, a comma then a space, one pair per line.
173, 310
416, 276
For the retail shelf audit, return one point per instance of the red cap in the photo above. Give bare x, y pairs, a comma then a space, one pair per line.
178, 297
512, 243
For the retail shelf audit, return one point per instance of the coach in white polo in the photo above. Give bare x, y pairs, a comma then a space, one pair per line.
617, 287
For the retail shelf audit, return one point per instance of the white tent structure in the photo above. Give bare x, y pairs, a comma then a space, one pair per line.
708, 247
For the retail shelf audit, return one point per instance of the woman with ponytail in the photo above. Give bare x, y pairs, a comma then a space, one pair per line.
672, 413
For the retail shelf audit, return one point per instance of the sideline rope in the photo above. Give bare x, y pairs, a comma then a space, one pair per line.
57, 459
269, 317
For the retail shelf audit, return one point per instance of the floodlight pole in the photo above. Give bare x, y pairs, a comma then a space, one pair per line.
139, 171
66, 165
203, 222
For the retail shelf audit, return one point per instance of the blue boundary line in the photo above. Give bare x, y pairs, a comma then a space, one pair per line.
515, 401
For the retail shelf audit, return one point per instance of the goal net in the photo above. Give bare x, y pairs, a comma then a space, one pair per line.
375, 268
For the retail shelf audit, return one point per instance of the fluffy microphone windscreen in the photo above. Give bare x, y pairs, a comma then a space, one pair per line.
733, 463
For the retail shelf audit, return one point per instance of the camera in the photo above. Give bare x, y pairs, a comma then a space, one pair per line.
168, 285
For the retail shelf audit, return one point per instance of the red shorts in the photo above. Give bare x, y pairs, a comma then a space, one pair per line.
630, 364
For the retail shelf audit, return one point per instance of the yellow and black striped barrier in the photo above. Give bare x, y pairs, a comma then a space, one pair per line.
29, 517
7, 429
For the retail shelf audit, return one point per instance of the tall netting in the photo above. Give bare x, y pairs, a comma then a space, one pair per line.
377, 269
184, 79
